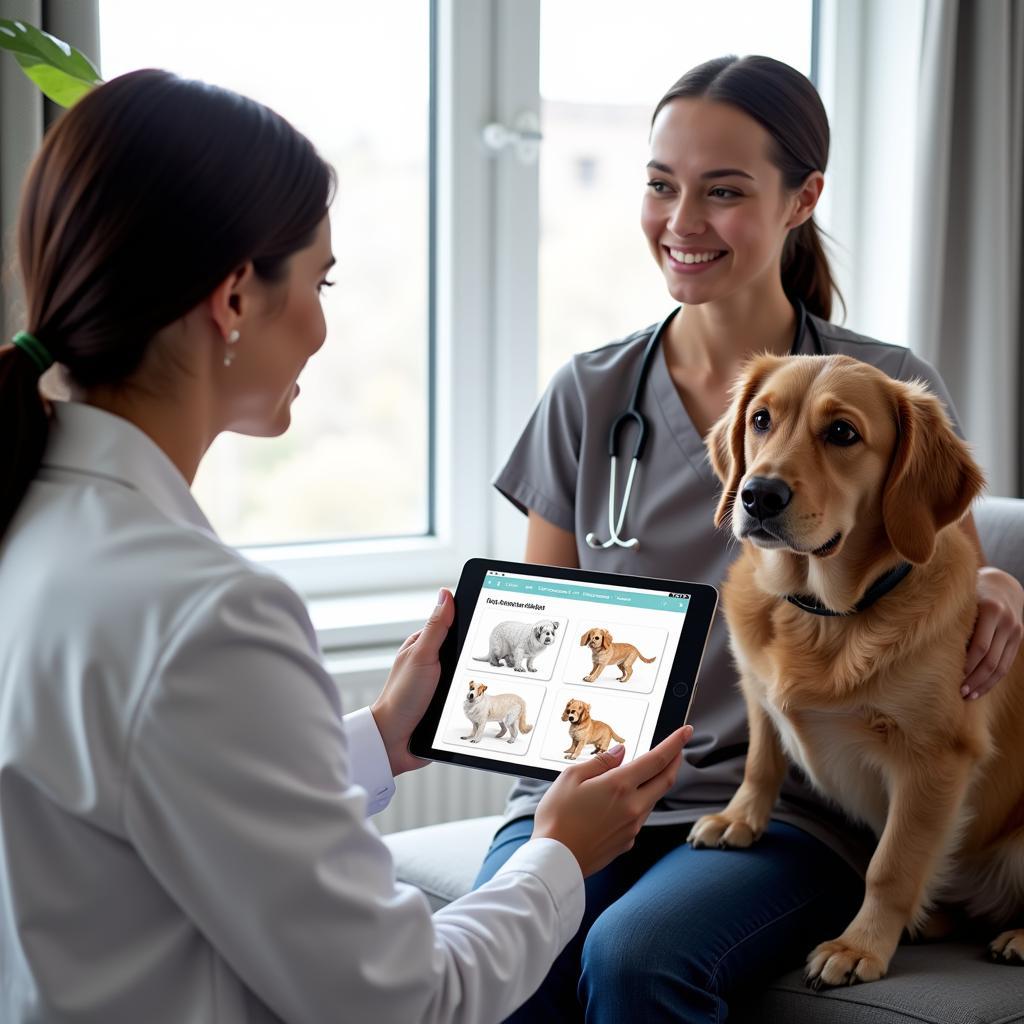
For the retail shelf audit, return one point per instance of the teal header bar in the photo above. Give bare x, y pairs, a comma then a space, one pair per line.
538, 590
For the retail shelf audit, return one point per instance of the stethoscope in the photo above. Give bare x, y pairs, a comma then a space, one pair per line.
632, 414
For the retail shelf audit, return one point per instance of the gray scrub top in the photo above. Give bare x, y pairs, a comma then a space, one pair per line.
559, 468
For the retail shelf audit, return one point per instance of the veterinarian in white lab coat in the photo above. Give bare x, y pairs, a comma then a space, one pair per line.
182, 803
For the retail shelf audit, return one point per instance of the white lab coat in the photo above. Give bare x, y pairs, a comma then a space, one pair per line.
182, 805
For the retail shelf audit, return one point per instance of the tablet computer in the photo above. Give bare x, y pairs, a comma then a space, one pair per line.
545, 666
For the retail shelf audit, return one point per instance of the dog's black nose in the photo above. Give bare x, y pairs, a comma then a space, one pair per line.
765, 496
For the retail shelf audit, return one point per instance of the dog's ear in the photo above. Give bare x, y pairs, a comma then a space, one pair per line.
932, 478
481, 687
606, 639
584, 638
725, 439
554, 625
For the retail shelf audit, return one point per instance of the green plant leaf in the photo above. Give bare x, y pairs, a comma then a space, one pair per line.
61, 72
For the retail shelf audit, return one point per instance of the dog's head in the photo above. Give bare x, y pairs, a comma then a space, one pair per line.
576, 711
476, 691
544, 632
596, 639
816, 449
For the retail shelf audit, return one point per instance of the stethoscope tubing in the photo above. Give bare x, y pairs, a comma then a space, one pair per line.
632, 414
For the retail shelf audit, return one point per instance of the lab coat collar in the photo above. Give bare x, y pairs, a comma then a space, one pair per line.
92, 442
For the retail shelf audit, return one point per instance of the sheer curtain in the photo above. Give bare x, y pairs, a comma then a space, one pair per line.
23, 115
967, 312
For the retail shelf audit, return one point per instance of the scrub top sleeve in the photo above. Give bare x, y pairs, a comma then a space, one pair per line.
238, 795
541, 472
915, 368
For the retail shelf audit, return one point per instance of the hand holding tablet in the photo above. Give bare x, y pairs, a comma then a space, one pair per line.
545, 667
596, 807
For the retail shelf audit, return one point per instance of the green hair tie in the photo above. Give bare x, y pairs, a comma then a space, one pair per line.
34, 349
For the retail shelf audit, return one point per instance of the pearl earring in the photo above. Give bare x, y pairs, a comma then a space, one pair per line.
229, 353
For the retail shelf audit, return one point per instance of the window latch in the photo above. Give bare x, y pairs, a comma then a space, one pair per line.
524, 137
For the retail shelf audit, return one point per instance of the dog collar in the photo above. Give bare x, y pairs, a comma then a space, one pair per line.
878, 589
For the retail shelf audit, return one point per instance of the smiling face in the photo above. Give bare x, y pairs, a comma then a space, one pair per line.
283, 326
715, 213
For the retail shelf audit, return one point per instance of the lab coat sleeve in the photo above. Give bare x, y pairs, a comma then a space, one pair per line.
239, 797
368, 757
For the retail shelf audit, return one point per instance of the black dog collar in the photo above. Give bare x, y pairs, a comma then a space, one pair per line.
878, 589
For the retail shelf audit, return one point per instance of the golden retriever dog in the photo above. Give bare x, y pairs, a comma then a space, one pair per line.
604, 652
839, 481
583, 730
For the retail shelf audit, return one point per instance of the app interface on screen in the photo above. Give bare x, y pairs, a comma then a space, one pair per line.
553, 671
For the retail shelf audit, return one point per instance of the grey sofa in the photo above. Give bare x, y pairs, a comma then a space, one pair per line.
940, 983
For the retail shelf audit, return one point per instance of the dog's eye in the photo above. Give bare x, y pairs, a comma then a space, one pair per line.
761, 420
841, 434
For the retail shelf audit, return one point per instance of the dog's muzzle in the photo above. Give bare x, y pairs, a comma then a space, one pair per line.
764, 497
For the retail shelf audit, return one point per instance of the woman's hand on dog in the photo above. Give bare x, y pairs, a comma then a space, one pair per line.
410, 685
596, 807
998, 632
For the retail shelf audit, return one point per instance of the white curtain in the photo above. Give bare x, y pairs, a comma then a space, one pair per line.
966, 309
23, 116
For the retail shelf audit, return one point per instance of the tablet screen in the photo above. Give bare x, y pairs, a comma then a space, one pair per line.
553, 670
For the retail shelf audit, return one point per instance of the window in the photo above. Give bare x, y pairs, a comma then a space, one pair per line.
510, 265
355, 462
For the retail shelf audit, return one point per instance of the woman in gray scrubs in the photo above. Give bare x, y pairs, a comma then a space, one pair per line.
738, 151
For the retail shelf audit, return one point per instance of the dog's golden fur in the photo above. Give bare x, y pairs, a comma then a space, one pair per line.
583, 730
869, 704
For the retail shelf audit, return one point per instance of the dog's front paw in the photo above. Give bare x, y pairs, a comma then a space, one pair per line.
841, 962
1008, 948
722, 830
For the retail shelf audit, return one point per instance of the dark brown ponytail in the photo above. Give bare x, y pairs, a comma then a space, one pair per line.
143, 198
788, 107
24, 423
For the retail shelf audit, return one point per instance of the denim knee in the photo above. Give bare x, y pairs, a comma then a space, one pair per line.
627, 964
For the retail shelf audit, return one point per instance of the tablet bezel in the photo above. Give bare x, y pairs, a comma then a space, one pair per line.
676, 702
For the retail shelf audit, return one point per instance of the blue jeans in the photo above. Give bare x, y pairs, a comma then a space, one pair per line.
676, 934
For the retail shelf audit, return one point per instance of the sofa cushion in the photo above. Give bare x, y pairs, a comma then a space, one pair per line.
1000, 523
939, 982
442, 860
